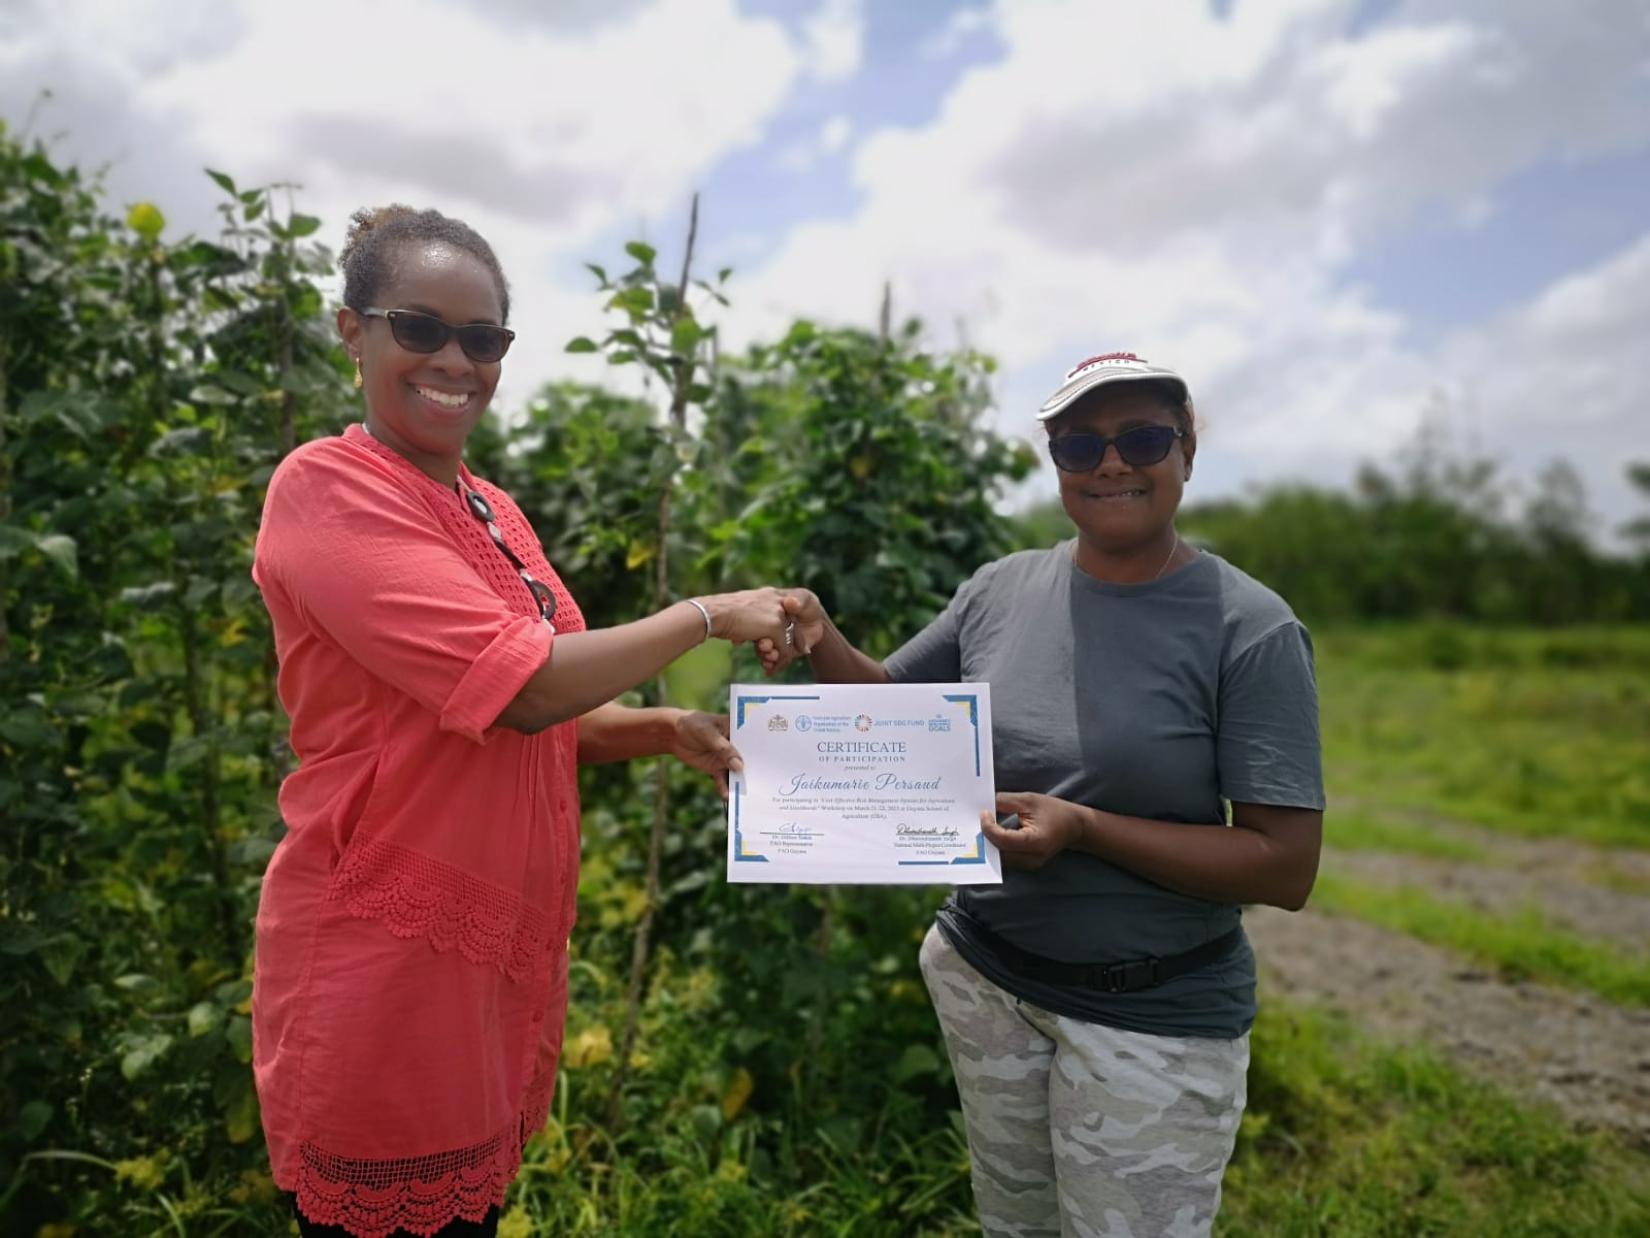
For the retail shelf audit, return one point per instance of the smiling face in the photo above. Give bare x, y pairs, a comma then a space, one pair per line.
1119, 507
424, 405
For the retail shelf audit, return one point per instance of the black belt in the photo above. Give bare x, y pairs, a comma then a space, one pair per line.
1123, 976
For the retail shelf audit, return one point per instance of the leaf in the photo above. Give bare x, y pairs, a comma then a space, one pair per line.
200, 589
60, 955
240, 1120
204, 1017
641, 251
916, 1060
306, 302
634, 301
239, 1035
639, 553
581, 343
738, 1092
685, 336
302, 225
145, 1051
591, 1047
14, 540
208, 393
599, 272
146, 220
32, 1119
224, 183
60, 549
148, 595
144, 1172
707, 1121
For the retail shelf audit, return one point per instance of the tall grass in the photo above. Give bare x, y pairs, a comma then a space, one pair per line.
1539, 733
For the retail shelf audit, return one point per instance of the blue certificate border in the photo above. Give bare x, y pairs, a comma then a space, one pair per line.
740, 855
972, 702
977, 858
967, 699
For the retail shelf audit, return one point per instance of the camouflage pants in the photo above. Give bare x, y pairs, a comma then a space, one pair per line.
1076, 1129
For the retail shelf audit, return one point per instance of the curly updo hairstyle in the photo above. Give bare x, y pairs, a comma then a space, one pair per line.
378, 236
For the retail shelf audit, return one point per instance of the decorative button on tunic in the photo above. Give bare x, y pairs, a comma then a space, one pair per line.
411, 968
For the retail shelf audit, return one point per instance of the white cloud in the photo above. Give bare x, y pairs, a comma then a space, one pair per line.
1565, 374
543, 134
1193, 188
949, 38
619, 118
835, 36
803, 154
834, 134
1149, 177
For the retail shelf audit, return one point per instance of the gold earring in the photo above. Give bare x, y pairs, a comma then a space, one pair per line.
358, 379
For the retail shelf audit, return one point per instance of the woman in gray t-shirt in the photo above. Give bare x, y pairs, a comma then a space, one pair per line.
1097, 1004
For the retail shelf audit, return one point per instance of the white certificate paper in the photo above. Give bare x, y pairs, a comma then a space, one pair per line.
861, 784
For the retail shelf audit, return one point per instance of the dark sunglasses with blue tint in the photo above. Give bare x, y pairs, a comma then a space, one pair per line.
1140, 446
483, 342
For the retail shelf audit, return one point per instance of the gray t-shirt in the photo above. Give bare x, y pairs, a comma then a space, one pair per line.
1162, 700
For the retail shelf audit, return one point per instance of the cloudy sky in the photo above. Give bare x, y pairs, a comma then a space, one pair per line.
1331, 215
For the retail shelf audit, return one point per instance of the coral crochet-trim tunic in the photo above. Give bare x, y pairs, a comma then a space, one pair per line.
411, 967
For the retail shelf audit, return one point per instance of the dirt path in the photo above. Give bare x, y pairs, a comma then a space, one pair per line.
1559, 883
1581, 1053
1581, 862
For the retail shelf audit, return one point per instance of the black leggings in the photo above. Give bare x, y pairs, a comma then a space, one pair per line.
487, 1227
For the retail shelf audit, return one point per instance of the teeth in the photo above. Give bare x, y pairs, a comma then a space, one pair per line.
443, 398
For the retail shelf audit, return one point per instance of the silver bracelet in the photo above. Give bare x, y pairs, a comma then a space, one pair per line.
695, 602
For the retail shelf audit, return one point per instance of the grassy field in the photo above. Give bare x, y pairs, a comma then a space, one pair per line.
1537, 733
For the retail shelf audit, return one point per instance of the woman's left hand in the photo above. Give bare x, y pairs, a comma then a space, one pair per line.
1048, 826
702, 741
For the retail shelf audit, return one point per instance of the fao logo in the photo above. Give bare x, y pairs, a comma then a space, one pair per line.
862, 723
804, 723
778, 723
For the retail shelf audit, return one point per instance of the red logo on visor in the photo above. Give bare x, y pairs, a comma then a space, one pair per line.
1106, 356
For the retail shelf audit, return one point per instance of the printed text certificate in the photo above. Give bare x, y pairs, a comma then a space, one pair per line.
861, 784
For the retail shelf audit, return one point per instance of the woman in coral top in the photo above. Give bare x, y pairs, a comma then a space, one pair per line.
411, 975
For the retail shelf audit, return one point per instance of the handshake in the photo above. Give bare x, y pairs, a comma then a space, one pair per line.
782, 624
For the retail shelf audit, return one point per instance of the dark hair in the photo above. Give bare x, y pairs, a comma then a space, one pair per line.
375, 241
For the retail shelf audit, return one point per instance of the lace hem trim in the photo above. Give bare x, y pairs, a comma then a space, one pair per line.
416, 896
372, 1199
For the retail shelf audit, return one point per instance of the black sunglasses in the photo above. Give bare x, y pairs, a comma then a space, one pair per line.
425, 333
1140, 446
482, 510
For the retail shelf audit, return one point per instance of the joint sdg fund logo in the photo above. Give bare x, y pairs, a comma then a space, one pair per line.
863, 722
